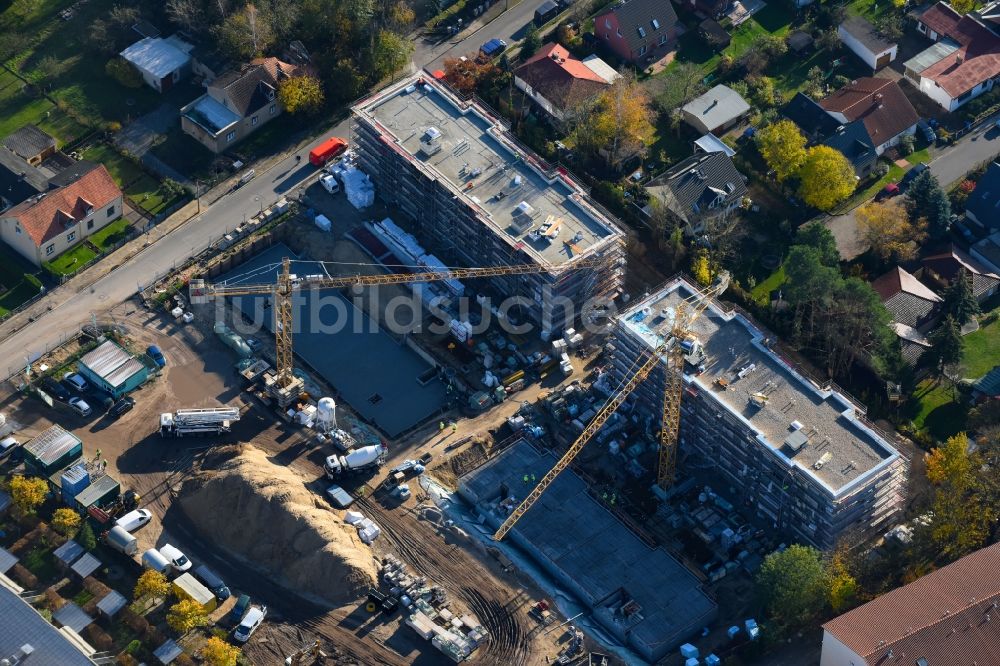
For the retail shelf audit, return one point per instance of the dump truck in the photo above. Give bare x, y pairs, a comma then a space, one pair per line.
187, 422
367, 457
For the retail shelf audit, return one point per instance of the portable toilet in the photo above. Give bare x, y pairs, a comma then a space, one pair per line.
689, 651
712, 660
73, 482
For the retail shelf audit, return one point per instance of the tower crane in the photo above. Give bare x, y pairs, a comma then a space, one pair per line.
287, 283
670, 352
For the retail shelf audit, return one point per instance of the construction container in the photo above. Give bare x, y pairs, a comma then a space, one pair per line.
100, 493
74, 481
51, 451
187, 586
113, 369
119, 539
155, 560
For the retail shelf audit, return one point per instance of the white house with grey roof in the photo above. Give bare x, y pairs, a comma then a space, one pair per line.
161, 61
717, 111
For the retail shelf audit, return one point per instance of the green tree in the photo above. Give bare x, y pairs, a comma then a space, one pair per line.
390, 53
963, 6
66, 521
301, 94
27, 493
826, 178
886, 228
123, 72
927, 199
151, 584
532, 42
792, 585
947, 345
817, 236
86, 537
842, 588
783, 148
185, 615
701, 269
959, 300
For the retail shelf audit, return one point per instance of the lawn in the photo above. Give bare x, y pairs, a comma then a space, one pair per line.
870, 9
20, 106
17, 282
70, 262
762, 292
692, 48
982, 350
111, 235
939, 413
142, 188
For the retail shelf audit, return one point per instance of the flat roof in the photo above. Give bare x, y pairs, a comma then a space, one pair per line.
209, 114
371, 371
68, 552
52, 444
97, 489
160, 57
7, 560
473, 139
22, 625
73, 617
848, 447
579, 540
86, 565
112, 602
112, 363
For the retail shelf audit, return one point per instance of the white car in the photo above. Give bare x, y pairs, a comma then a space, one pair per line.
253, 619
133, 520
330, 184
76, 381
7, 446
178, 560
80, 406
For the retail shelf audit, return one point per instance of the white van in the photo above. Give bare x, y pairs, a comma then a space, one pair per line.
177, 559
154, 559
330, 184
133, 520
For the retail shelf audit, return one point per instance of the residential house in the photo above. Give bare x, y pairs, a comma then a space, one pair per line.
237, 104
864, 41
815, 123
853, 142
30, 144
879, 104
559, 83
700, 188
945, 617
638, 31
964, 62
47, 224
944, 266
987, 251
913, 306
983, 204
717, 111
162, 62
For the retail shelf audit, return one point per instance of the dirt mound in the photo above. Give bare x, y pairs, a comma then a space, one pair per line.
263, 514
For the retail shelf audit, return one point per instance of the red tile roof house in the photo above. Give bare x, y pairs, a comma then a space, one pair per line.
638, 31
965, 60
950, 617
879, 104
943, 267
559, 83
46, 225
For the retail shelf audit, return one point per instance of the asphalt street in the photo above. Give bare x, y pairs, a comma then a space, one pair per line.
59, 315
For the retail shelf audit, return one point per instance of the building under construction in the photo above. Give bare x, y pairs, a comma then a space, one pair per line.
478, 198
801, 455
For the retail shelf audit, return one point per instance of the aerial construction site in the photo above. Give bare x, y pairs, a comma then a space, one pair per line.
423, 421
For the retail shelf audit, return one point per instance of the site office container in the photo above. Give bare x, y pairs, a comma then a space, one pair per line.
326, 151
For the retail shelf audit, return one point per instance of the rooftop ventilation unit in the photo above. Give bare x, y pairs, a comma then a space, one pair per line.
430, 142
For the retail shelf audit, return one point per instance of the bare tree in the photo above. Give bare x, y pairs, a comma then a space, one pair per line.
186, 14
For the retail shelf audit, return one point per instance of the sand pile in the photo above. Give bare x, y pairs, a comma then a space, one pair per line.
263, 514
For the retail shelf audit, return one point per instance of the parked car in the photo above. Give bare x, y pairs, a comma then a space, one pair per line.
926, 131
76, 381
55, 389
133, 520
212, 582
7, 447
80, 406
251, 621
239, 609
330, 184
122, 407
493, 48
178, 560
890, 190
911, 174
154, 353
340, 497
